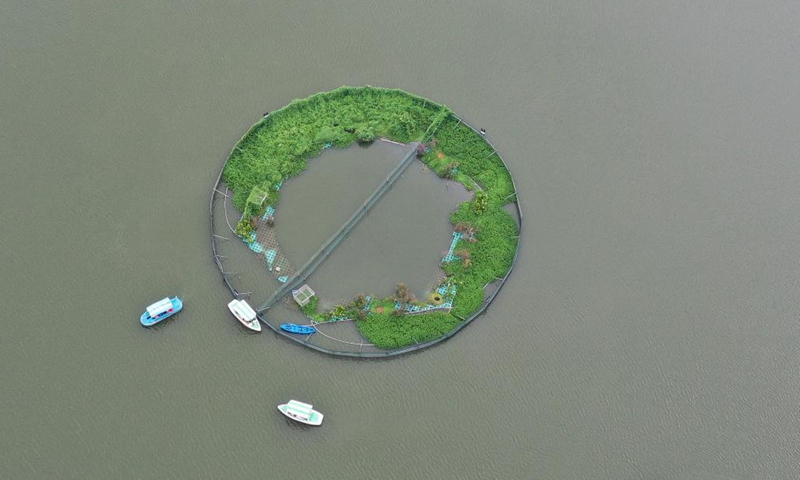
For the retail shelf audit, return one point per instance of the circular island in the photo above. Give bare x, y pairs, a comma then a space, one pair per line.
485, 228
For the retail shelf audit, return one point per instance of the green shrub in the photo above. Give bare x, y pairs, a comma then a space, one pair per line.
244, 228
338, 311
388, 332
310, 308
327, 135
360, 301
480, 203
366, 134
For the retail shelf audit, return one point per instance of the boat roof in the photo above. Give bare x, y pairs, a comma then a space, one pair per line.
302, 410
159, 307
242, 308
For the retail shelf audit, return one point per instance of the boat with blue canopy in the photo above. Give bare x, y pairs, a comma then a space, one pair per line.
298, 329
161, 310
301, 412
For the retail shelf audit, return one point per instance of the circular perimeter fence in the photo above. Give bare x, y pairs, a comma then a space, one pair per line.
245, 198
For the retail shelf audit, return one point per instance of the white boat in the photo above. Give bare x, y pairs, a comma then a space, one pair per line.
301, 412
245, 314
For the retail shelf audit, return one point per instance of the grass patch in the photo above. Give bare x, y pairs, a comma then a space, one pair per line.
475, 158
389, 331
279, 146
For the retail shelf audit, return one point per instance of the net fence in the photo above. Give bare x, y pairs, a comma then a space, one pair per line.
256, 269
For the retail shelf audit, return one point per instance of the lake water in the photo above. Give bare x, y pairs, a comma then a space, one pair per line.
650, 328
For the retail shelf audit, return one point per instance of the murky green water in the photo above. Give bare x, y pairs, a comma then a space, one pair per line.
650, 329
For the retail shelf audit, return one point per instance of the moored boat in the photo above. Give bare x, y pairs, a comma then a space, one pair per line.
301, 412
245, 314
298, 329
161, 310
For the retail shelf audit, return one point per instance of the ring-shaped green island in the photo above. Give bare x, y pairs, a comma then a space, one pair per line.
486, 232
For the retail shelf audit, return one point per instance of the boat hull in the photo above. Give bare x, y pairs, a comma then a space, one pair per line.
252, 325
148, 321
298, 329
314, 420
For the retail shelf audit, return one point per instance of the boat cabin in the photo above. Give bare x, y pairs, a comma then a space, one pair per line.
160, 308
299, 410
242, 310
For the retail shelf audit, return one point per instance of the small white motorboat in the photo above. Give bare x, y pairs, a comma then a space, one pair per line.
301, 412
245, 314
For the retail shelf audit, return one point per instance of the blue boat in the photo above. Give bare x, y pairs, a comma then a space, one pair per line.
299, 329
162, 309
